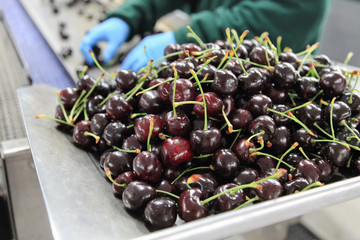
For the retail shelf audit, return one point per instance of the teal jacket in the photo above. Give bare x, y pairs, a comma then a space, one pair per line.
298, 22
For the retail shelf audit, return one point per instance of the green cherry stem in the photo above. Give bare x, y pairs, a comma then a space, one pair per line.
137, 151
352, 90
108, 174
350, 129
203, 156
190, 170
151, 128
96, 137
318, 94
98, 64
196, 37
174, 89
331, 118
334, 141
234, 51
203, 97
76, 104
314, 184
322, 130
62, 107
235, 139
273, 157
348, 58
284, 154
298, 107
230, 126
55, 119
168, 193
303, 153
247, 143
278, 44
249, 201
155, 86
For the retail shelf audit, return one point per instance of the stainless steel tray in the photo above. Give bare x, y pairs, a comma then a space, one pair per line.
80, 203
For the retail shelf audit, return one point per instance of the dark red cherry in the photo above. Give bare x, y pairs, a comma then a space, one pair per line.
125, 79
166, 186
182, 67
185, 90
229, 200
226, 163
205, 182
288, 57
241, 118
190, 207
172, 48
252, 82
213, 104
307, 87
175, 151
69, 96
308, 170
282, 179
279, 119
270, 189
295, 185
229, 105
258, 55
309, 114
337, 154
181, 185
355, 165
79, 136
322, 59
234, 66
59, 114
190, 47
103, 157
178, 125
164, 92
259, 104
93, 105
118, 162
354, 103
326, 168
205, 69
171, 173
341, 111
281, 140
276, 95
132, 143
198, 123
333, 83
114, 133
137, 194
150, 102
345, 135
85, 83
242, 151
124, 178
205, 141
118, 108
265, 163
245, 176
249, 44
220, 54
225, 82
284, 75
263, 123
147, 166
161, 212
142, 126
98, 123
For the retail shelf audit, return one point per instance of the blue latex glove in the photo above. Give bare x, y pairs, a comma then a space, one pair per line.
113, 30
155, 46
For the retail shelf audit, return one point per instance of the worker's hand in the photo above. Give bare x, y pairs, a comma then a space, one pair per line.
155, 46
113, 30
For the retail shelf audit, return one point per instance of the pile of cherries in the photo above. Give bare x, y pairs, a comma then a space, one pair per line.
273, 123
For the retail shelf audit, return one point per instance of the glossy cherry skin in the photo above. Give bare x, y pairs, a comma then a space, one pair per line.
241, 150
132, 143
307, 87
249, 44
118, 108
270, 189
282, 179
241, 118
190, 207
205, 182
178, 125
333, 83
161, 212
278, 119
308, 170
125, 79
142, 127
93, 105
172, 48
98, 123
164, 92
341, 111
150, 102
85, 83
344, 134
69, 96
114, 133
263, 123
281, 140
79, 136
182, 67
245, 176
175, 151
137, 194
205, 141
304, 138
166, 186
234, 66
354, 103
265, 163
205, 69
258, 55
124, 178
309, 114
277, 95
337, 153
213, 104
147, 166
252, 82
288, 57
284, 75
225, 82
259, 104
326, 168
185, 90
226, 163
171, 174
297, 184
118, 162
229, 200
190, 47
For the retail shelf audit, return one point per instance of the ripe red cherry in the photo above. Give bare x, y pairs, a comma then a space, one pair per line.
241, 149
125, 80
69, 96
229, 200
284, 75
137, 194
178, 125
175, 151
142, 126
333, 83
225, 82
205, 141
147, 166
118, 108
190, 207
213, 104
161, 212
79, 136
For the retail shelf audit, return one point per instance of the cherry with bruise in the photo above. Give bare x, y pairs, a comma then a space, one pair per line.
333, 83
126, 79
190, 207
178, 125
147, 166
284, 75
160, 212
142, 126
114, 133
137, 194
225, 82
213, 104
118, 108
117, 162
241, 118
124, 178
229, 200
205, 141
259, 104
245, 176
175, 151
226, 163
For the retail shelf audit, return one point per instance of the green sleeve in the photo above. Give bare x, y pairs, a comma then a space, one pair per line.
299, 22
141, 15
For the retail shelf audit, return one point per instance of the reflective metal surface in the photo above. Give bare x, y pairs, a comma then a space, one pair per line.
80, 203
